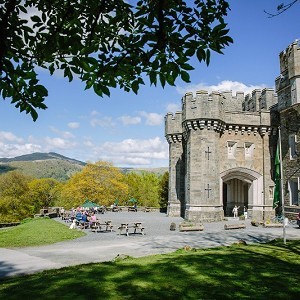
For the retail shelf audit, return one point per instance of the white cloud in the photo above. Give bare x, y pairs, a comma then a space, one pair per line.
73, 125
13, 150
59, 143
225, 85
10, 137
152, 119
64, 134
128, 120
133, 151
103, 122
94, 113
173, 107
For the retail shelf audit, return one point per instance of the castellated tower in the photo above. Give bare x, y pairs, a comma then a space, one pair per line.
219, 146
222, 149
288, 90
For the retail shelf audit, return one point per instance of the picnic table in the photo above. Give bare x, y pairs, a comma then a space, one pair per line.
132, 208
102, 226
135, 227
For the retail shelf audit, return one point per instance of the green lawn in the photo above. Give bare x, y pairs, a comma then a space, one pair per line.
267, 271
35, 232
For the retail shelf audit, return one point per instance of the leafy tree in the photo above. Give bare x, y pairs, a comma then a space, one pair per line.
144, 187
100, 182
14, 203
42, 192
106, 43
164, 190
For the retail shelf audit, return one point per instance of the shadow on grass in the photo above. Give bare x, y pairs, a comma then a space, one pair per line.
268, 271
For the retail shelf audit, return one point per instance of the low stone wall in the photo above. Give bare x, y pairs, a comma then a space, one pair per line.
191, 227
234, 226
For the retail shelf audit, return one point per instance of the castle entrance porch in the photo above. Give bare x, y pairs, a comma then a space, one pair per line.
241, 187
235, 192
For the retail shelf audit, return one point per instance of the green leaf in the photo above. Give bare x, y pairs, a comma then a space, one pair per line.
201, 55
97, 89
33, 114
207, 57
36, 19
185, 76
187, 67
41, 90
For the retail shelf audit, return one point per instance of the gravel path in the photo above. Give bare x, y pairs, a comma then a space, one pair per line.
105, 246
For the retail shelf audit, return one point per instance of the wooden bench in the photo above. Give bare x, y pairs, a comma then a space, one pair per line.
130, 208
136, 226
98, 226
234, 226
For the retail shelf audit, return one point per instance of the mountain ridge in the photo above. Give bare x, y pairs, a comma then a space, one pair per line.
54, 165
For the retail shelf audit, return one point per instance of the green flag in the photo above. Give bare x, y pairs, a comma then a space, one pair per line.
276, 199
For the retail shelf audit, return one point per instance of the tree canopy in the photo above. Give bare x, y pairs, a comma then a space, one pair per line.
106, 43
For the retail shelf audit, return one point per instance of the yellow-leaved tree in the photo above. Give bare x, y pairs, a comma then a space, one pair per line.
43, 192
15, 204
99, 182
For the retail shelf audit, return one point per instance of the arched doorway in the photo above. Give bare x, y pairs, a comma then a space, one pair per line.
242, 187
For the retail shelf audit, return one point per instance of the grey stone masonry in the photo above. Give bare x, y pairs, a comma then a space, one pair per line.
222, 147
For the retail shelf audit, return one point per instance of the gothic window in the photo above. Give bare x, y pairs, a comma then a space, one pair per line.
294, 191
249, 150
231, 148
292, 146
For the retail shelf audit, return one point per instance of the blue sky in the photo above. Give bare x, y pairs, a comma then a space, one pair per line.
128, 129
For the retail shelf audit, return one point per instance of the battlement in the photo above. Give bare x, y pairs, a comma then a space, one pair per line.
214, 106
290, 60
259, 100
202, 105
173, 123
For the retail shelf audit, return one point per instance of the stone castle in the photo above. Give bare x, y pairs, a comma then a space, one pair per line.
222, 147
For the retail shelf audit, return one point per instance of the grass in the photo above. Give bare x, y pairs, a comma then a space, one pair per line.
266, 271
36, 232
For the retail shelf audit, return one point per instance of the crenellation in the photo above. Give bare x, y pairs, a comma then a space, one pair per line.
255, 99
173, 123
267, 99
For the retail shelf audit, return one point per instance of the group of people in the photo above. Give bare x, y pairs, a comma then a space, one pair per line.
85, 218
235, 211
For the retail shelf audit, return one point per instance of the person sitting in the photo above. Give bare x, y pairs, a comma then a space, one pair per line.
83, 221
78, 216
92, 219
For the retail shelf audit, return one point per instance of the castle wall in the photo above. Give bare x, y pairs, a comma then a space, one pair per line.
222, 147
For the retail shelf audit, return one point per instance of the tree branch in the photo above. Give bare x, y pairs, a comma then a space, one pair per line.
281, 9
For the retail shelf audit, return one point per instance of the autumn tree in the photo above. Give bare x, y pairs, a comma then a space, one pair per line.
43, 193
106, 43
14, 203
100, 182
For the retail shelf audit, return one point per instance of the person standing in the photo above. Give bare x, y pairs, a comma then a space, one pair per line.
235, 211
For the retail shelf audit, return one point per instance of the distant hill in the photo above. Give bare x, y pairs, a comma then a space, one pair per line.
54, 165
42, 165
158, 171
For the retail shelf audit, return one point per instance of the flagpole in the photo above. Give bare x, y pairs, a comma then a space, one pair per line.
281, 185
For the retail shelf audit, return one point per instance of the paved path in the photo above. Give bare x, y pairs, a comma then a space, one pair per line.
99, 247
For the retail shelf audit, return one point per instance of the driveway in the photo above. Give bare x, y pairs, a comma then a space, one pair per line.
105, 246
